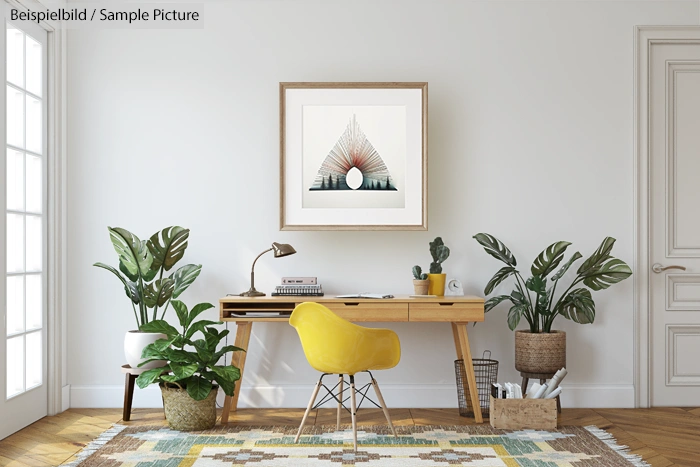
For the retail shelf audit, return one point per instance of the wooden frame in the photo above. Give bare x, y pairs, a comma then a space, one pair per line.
320, 122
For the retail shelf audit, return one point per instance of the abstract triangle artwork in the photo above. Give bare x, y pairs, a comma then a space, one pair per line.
353, 164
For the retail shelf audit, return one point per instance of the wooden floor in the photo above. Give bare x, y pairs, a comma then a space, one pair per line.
662, 436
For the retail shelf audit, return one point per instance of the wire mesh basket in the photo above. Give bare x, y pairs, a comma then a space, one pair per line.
486, 373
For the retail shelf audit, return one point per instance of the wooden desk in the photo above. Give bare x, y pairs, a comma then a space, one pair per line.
459, 311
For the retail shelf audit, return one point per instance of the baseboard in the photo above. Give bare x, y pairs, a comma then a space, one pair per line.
396, 395
65, 398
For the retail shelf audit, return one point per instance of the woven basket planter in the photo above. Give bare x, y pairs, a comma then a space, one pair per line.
540, 352
186, 414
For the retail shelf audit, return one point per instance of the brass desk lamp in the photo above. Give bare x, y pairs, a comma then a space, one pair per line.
280, 250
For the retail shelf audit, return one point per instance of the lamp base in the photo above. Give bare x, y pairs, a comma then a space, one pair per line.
252, 293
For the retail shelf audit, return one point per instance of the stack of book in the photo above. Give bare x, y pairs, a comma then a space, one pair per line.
299, 286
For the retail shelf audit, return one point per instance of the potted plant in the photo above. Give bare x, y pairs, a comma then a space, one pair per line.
420, 281
440, 253
540, 349
143, 264
190, 380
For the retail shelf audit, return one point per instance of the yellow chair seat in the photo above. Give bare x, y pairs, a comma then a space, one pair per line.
336, 346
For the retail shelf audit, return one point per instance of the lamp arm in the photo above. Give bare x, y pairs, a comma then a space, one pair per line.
252, 268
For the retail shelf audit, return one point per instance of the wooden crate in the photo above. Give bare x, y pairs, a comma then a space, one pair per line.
519, 414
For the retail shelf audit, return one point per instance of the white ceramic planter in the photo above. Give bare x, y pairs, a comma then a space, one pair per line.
134, 342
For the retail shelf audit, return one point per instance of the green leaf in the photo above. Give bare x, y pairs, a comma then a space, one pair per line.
158, 292
162, 344
198, 388
183, 357
492, 302
213, 337
542, 306
225, 349
134, 257
496, 248
203, 350
578, 306
549, 259
129, 287
518, 298
181, 311
560, 273
611, 272
197, 310
151, 352
184, 276
597, 258
170, 378
199, 326
537, 285
497, 278
227, 386
183, 371
159, 326
514, 315
150, 376
228, 373
168, 247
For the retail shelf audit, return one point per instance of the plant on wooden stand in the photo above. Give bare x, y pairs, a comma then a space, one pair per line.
541, 350
420, 281
439, 252
189, 389
143, 264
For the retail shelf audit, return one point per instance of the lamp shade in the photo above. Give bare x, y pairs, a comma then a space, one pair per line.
282, 249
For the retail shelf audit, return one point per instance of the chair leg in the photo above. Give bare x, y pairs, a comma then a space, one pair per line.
353, 411
308, 409
340, 400
381, 401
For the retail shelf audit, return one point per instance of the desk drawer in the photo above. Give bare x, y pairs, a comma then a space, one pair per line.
446, 311
369, 311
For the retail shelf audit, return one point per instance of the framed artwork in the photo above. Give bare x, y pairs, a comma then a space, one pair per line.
353, 156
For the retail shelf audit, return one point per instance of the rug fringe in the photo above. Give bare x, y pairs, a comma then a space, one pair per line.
623, 451
95, 444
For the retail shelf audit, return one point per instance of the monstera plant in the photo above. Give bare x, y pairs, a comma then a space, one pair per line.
143, 265
536, 298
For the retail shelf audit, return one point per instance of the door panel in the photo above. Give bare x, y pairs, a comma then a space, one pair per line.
674, 138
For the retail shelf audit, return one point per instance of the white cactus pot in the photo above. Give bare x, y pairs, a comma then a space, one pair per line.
134, 342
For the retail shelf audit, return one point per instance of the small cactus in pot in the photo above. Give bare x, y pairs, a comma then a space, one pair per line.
420, 281
440, 252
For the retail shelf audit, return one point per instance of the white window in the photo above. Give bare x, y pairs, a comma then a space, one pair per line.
25, 212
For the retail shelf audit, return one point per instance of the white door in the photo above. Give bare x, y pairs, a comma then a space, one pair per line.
674, 164
23, 393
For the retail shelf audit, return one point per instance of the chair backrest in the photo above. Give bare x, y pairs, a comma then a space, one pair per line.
334, 345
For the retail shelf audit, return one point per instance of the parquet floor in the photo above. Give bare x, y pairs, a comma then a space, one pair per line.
662, 436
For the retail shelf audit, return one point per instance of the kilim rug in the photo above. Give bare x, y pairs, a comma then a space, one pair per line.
416, 446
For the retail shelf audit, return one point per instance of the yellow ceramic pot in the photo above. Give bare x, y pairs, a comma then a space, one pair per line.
437, 284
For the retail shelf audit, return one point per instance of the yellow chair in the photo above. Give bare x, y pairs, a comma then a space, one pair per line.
335, 346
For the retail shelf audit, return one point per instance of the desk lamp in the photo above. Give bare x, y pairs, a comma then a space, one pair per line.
280, 250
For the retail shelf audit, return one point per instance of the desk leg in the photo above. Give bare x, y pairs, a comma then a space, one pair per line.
238, 360
458, 346
469, 369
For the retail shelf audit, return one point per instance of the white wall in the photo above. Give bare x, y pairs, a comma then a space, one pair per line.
530, 134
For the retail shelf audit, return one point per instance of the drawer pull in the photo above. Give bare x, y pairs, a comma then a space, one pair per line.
352, 303
446, 304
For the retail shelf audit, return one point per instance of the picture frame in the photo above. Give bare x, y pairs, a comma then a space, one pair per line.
353, 156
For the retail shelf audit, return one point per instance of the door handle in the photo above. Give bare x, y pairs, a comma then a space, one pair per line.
657, 268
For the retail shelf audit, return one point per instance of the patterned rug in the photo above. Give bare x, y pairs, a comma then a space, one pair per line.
151, 446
